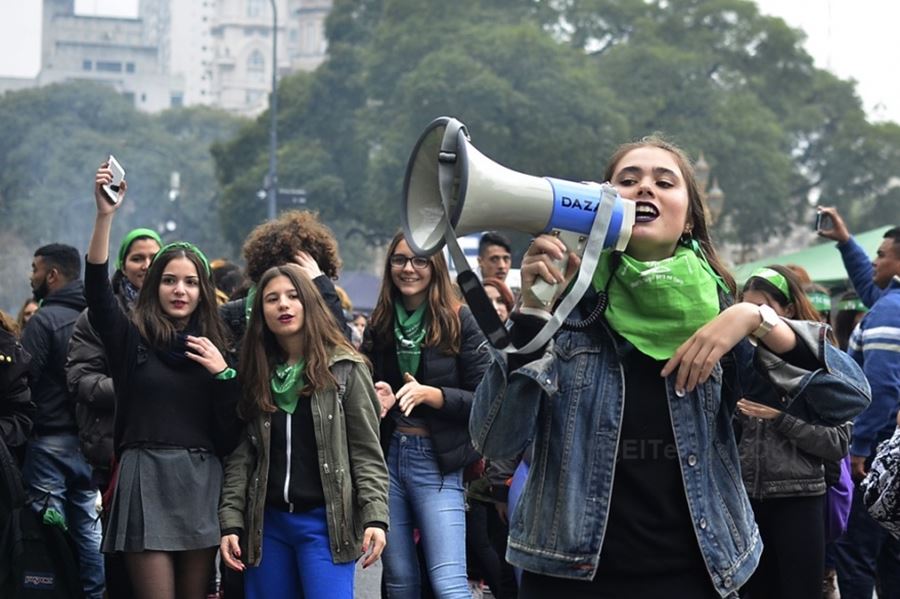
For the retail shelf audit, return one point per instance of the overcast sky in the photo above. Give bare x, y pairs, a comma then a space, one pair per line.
853, 38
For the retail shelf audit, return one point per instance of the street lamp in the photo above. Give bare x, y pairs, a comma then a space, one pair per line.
272, 187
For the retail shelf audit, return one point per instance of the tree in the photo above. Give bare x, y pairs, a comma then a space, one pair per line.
56, 136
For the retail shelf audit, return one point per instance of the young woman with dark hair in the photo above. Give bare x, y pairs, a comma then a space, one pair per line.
634, 488
306, 490
785, 460
175, 411
428, 355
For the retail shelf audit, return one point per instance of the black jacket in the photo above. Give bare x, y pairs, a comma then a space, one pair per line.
234, 312
16, 408
89, 380
456, 376
46, 338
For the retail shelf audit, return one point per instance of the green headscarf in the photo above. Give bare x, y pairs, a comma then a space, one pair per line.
657, 305
130, 238
775, 278
186, 245
821, 301
286, 382
409, 332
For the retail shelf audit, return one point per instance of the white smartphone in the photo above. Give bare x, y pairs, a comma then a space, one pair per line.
118, 174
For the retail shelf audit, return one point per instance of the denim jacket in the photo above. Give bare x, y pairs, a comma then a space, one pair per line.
570, 402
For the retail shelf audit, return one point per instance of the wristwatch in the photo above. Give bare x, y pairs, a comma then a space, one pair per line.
769, 320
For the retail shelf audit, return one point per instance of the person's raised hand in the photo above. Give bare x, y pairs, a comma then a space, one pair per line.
103, 177
539, 262
838, 230
306, 263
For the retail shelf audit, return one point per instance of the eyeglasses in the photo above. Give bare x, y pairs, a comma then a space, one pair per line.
418, 262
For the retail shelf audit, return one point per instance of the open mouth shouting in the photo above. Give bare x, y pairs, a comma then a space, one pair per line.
645, 212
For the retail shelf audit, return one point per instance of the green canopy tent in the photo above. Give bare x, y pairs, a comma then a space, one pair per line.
822, 261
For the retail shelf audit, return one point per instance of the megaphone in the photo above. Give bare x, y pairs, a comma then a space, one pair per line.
451, 188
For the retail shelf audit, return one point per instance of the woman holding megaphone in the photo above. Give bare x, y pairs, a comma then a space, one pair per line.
428, 356
635, 488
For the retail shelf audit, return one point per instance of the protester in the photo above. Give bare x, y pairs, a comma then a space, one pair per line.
55, 471
494, 256
16, 408
500, 295
487, 496
299, 407
88, 379
783, 459
868, 552
175, 411
29, 307
849, 311
633, 486
428, 355
298, 237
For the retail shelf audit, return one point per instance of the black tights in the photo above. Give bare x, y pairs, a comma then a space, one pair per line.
170, 574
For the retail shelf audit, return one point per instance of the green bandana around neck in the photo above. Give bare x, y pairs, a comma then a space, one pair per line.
287, 381
409, 332
657, 305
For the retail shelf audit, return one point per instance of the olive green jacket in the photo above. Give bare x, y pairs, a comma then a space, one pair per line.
351, 463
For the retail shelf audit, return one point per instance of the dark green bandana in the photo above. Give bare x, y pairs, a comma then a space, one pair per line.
657, 305
287, 381
409, 332
248, 303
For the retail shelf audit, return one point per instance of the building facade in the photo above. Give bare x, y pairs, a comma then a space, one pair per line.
181, 53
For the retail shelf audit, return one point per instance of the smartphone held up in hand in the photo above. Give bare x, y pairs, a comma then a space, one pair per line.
118, 175
824, 222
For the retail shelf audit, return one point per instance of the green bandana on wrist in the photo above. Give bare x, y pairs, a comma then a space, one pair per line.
657, 305
821, 302
775, 278
287, 381
409, 333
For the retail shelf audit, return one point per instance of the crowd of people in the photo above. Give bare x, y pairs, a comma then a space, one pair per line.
203, 429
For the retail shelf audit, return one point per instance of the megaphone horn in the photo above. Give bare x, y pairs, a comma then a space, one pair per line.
451, 188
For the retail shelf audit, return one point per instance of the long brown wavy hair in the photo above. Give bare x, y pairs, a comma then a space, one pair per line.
696, 202
261, 352
442, 314
156, 326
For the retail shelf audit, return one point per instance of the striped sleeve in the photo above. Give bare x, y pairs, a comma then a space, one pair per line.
875, 344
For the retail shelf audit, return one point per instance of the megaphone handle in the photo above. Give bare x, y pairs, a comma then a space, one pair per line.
575, 242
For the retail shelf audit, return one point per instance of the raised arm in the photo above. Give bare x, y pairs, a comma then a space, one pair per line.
98, 250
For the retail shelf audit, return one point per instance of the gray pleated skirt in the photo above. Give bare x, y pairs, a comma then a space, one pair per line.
165, 500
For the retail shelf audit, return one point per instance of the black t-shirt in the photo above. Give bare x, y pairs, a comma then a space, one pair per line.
649, 530
304, 490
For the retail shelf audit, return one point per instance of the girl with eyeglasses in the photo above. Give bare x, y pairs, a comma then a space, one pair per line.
428, 355
176, 400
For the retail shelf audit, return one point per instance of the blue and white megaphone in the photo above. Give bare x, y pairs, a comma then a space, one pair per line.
452, 189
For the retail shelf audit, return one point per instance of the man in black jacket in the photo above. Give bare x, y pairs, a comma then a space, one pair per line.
56, 473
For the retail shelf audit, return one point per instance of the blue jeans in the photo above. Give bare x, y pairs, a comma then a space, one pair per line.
56, 474
296, 559
421, 497
865, 551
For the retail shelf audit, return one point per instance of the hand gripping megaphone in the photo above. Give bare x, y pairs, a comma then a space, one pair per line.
452, 189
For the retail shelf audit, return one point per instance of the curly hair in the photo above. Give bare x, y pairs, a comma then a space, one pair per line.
277, 242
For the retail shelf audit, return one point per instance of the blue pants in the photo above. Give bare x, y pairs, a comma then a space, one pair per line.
56, 473
296, 560
865, 551
420, 497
